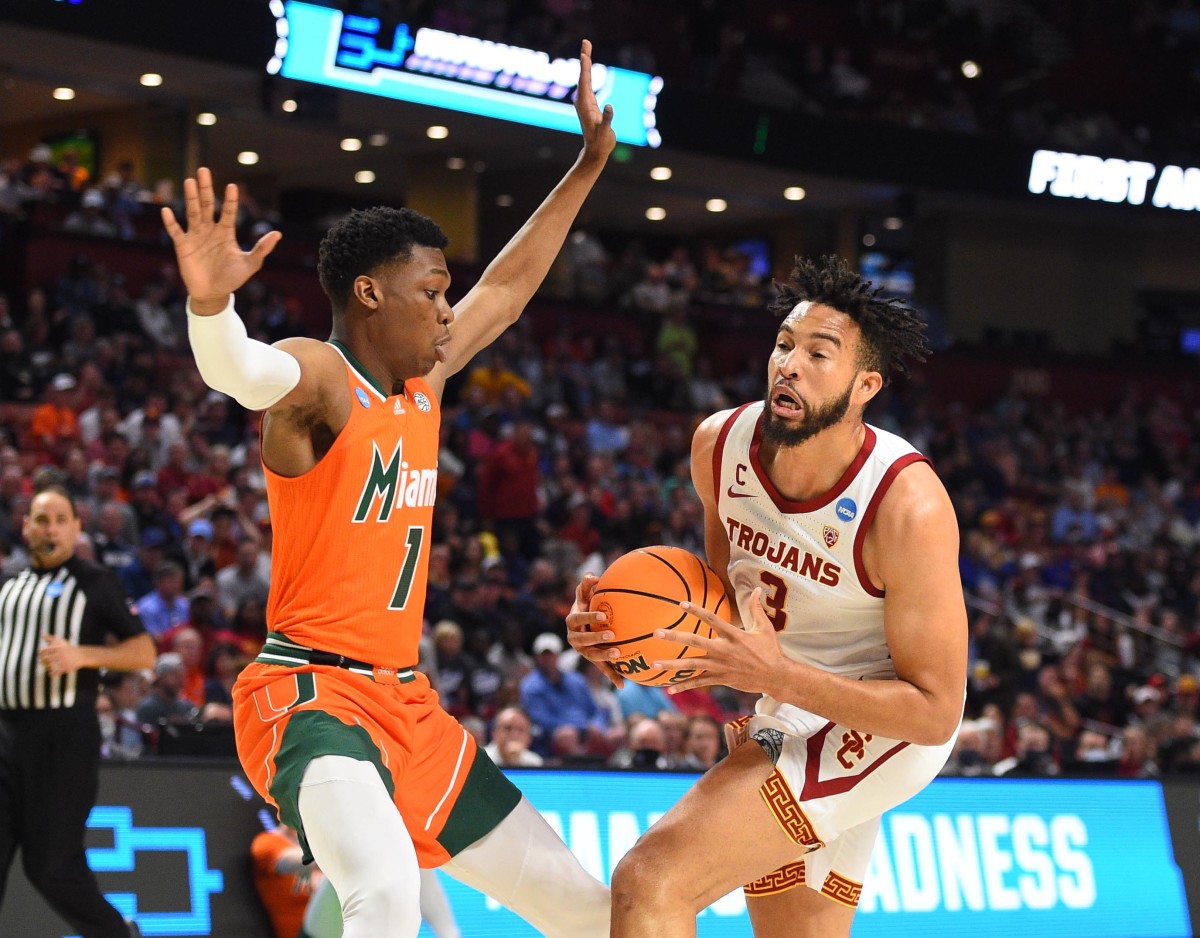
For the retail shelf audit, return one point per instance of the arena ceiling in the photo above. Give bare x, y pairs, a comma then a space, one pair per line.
297, 152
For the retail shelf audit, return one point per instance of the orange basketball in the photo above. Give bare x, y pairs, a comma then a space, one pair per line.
641, 592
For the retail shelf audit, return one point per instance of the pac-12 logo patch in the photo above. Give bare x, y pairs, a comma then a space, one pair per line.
362, 397
830, 534
422, 402
846, 509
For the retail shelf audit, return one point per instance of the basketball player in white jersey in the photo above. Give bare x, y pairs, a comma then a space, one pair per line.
839, 546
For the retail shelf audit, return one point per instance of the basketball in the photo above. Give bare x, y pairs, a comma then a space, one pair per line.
640, 592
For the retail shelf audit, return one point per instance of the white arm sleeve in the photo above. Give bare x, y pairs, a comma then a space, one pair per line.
257, 375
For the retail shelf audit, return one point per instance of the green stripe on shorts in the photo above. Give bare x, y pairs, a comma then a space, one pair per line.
486, 799
309, 734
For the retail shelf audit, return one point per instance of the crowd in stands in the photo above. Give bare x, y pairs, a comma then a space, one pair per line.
562, 449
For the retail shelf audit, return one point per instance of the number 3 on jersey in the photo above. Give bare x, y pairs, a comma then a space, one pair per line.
774, 598
412, 553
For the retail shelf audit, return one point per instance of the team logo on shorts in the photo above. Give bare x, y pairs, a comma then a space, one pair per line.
830, 534
422, 402
362, 397
846, 509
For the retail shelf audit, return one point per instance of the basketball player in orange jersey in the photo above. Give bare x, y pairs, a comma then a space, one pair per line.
334, 726
839, 546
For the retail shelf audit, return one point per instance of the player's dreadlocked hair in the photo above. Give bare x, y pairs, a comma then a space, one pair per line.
365, 239
892, 330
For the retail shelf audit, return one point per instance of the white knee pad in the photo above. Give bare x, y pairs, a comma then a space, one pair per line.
360, 842
526, 867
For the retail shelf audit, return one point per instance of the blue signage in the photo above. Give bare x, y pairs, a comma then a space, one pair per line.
985, 857
460, 73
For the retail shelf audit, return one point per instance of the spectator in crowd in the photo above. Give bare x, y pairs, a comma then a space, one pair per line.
702, 743
244, 579
91, 217
512, 732
165, 606
165, 702
554, 698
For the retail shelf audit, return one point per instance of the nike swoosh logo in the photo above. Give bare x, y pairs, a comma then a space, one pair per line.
732, 494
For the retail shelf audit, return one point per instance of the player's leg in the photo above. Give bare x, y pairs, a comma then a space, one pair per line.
525, 866
719, 836
59, 781
817, 896
799, 913
323, 914
435, 907
361, 844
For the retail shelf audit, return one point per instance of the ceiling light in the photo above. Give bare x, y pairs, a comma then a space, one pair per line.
378, 140
63, 94
351, 144
247, 157
892, 223
455, 162
151, 79
364, 176
656, 213
716, 205
437, 132
970, 69
794, 193
289, 105
868, 240
504, 201
661, 173
206, 118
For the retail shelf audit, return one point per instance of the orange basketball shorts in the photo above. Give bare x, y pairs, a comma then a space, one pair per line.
445, 787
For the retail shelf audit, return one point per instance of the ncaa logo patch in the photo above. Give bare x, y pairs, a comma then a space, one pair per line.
422, 402
846, 509
830, 534
362, 397
54, 590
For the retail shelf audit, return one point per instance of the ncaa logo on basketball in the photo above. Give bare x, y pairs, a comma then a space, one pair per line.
830, 534
422, 402
846, 509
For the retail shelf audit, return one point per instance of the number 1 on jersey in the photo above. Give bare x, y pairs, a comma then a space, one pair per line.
412, 553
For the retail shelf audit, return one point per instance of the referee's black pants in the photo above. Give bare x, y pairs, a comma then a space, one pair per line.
49, 779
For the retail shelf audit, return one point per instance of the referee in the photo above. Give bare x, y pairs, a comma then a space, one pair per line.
54, 620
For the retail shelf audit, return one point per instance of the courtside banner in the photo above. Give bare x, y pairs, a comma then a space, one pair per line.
169, 842
460, 73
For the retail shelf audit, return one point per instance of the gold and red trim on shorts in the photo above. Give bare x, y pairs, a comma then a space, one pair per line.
840, 889
785, 878
785, 807
740, 728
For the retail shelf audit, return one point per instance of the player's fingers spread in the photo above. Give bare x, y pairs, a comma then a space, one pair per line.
191, 202
266, 244
681, 637
170, 223
705, 615
205, 188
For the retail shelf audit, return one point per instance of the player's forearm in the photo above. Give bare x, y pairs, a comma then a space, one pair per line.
897, 709
133, 654
522, 265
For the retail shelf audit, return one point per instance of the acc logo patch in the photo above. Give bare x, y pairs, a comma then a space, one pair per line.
846, 509
422, 402
362, 397
830, 535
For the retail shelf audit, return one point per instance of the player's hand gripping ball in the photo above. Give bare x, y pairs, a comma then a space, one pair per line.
640, 592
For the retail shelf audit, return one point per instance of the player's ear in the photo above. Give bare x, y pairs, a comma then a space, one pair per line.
366, 290
866, 385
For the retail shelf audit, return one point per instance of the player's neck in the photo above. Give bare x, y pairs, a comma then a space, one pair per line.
812, 468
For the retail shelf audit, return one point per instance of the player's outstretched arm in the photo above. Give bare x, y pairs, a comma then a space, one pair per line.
509, 282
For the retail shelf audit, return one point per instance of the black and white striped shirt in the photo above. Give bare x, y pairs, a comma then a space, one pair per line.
80, 602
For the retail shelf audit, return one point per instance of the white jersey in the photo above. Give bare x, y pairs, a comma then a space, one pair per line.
807, 556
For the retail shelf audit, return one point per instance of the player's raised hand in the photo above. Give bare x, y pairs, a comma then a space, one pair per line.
596, 124
582, 638
211, 262
744, 659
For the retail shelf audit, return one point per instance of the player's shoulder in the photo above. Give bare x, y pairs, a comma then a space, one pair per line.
711, 427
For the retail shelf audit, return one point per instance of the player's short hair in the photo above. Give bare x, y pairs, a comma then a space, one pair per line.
366, 239
56, 488
892, 331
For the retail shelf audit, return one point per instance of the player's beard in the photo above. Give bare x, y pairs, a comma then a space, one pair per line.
781, 433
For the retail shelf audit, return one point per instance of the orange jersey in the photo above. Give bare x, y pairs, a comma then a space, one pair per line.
351, 551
